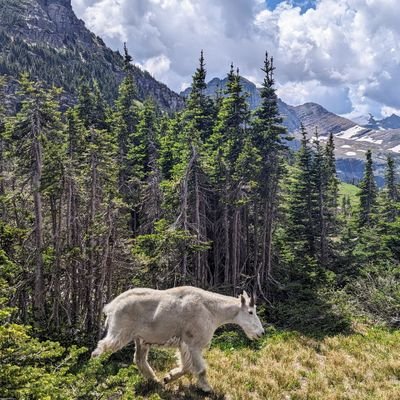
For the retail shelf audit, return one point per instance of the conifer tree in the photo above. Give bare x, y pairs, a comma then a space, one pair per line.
32, 131
268, 136
319, 185
390, 193
74, 216
332, 185
199, 111
144, 169
123, 124
196, 122
368, 194
2, 148
226, 145
302, 202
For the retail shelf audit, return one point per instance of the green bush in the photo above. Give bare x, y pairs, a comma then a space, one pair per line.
315, 313
31, 369
376, 294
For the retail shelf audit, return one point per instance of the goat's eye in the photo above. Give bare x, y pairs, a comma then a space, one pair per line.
251, 312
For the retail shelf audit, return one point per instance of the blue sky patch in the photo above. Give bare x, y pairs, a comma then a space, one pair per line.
303, 4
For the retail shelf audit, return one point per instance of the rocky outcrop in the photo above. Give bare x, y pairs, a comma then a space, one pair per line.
46, 39
313, 116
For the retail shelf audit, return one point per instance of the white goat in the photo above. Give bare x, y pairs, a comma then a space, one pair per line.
184, 317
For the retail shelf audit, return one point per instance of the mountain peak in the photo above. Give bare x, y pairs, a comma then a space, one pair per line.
392, 122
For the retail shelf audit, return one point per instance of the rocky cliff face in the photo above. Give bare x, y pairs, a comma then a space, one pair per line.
44, 22
46, 39
313, 116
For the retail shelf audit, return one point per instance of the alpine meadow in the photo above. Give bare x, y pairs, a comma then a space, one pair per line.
110, 181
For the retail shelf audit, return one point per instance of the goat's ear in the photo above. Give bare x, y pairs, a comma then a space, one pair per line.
242, 300
245, 295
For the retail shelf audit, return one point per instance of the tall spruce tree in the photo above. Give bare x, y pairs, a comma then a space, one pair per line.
197, 122
367, 194
269, 138
390, 193
226, 145
319, 185
302, 202
32, 129
199, 111
124, 120
3, 157
332, 185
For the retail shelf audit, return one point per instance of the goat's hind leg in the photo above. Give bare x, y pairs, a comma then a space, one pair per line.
185, 362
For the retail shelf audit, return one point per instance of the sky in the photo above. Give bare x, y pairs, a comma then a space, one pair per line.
342, 54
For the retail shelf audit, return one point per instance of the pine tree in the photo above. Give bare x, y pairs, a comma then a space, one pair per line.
92, 108
145, 170
32, 130
226, 145
390, 193
199, 111
368, 194
332, 185
302, 203
2, 148
123, 123
268, 137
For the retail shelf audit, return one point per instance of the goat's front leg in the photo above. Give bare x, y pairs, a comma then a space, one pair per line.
141, 353
199, 369
185, 363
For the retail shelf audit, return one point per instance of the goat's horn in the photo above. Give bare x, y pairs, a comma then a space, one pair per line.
252, 300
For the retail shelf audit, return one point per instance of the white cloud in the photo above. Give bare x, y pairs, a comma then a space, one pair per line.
157, 65
388, 111
344, 54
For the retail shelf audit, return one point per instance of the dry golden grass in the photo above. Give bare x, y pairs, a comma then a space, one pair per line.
363, 365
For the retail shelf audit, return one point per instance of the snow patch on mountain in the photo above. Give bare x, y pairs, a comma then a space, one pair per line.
370, 139
396, 149
351, 132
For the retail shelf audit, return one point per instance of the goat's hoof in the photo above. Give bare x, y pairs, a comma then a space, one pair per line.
167, 379
95, 353
205, 388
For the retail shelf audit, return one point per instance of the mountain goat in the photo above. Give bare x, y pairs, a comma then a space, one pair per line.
183, 317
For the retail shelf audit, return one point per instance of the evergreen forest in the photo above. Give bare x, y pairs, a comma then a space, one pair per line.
101, 196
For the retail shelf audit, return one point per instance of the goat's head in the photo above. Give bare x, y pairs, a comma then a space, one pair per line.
247, 317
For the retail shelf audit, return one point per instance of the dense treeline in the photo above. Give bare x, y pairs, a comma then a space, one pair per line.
99, 198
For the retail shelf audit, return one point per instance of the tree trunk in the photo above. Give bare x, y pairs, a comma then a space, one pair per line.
38, 301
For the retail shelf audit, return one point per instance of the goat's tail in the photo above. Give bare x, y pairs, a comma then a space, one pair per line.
107, 310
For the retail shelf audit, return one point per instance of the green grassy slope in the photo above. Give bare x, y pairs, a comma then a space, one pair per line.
347, 189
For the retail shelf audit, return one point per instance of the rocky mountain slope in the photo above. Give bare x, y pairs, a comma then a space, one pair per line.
46, 39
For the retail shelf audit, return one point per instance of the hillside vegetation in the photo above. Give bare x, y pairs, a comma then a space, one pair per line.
363, 365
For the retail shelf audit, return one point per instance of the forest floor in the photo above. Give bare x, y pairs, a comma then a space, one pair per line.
362, 365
